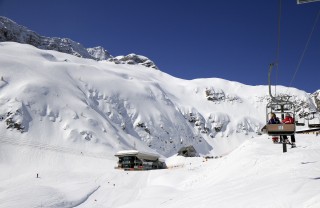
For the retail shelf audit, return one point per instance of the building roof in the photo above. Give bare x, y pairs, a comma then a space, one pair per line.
138, 154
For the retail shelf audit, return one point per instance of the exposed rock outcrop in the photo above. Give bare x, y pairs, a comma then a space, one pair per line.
11, 31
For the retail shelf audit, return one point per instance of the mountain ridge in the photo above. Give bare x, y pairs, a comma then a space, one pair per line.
11, 31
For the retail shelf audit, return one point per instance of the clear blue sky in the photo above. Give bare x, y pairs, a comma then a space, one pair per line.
231, 39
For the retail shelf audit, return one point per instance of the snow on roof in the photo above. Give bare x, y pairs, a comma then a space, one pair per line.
127, 152
141, 155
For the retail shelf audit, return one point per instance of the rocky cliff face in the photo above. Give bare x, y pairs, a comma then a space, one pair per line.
99, 53
134, 59
11, 31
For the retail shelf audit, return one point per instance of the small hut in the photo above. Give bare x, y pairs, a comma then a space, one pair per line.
136, 160
188, 151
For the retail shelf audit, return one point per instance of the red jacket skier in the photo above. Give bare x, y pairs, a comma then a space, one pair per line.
288, 119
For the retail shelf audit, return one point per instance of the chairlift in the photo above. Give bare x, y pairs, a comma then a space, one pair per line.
300, 116
279, 129
300, 123
286, 106
314, 125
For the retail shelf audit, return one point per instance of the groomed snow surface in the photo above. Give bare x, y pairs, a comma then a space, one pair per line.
256, 174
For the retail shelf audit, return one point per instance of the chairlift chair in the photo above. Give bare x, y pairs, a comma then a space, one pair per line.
280, 129
299, 117
314, 125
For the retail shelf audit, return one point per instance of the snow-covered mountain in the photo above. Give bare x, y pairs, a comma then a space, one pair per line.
11, 31
62, 99
63, 118
89, 99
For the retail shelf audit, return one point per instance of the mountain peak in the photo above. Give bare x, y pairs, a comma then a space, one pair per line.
99, 53
11, 31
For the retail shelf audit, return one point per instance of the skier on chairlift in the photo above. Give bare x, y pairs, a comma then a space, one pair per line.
274, 120
289, 120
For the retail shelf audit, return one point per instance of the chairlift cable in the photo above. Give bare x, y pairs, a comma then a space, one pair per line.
278, 45
305, 48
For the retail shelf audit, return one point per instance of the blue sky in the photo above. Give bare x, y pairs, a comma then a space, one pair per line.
234, 40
